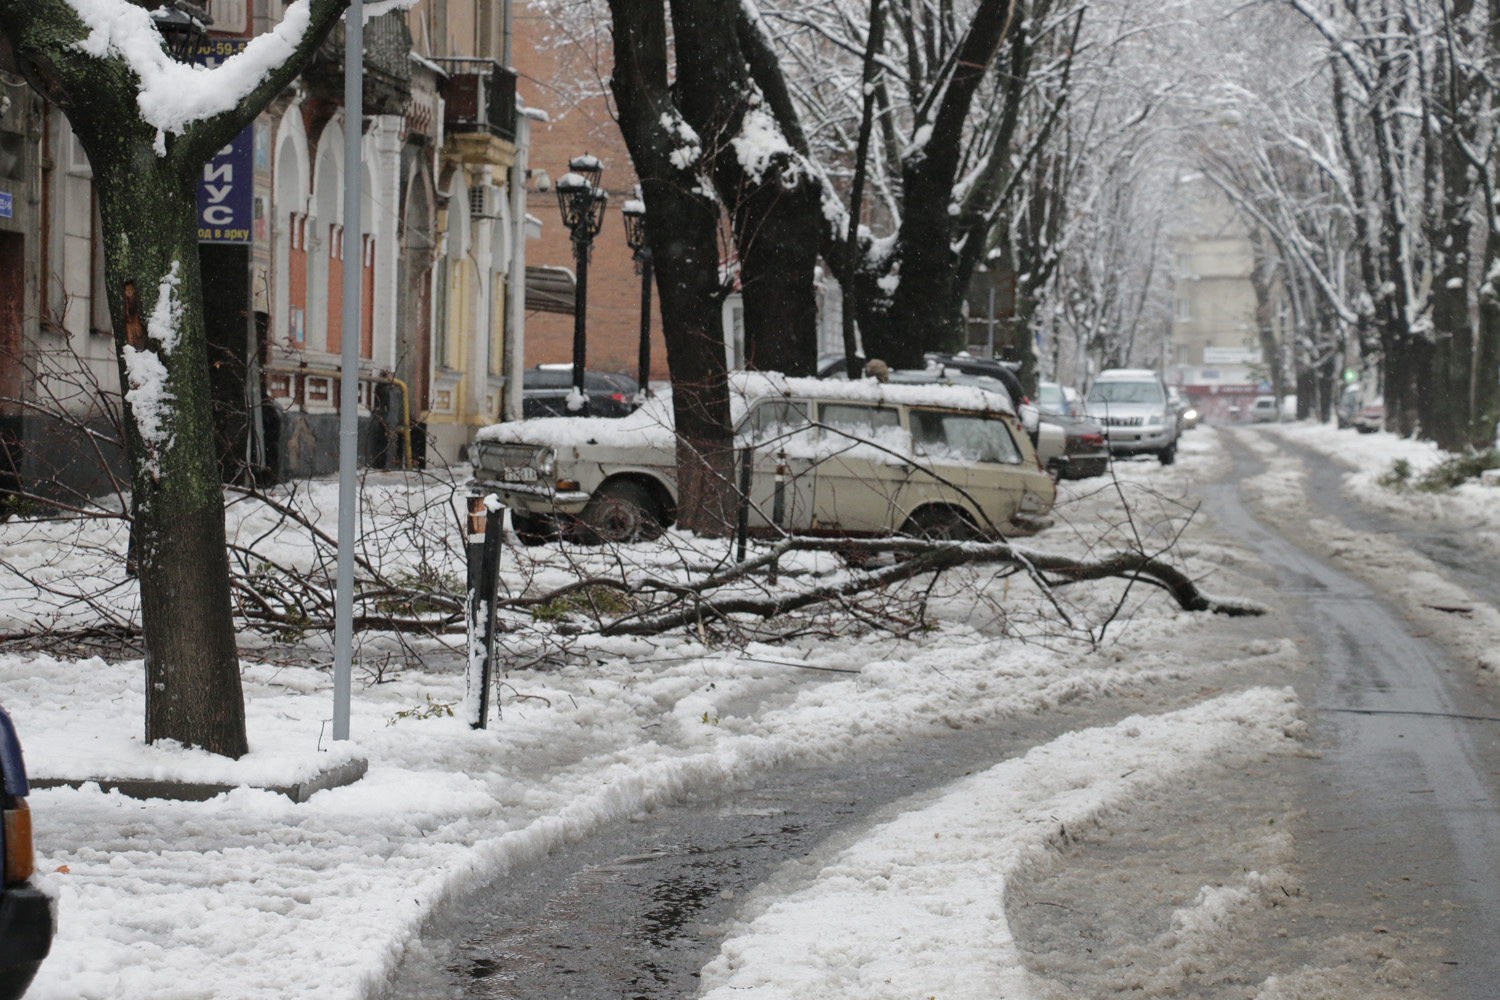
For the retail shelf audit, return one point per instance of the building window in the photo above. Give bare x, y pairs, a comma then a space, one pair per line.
1184, 263
1184, 310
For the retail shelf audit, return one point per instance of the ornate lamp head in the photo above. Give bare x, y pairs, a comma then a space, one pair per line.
183, 26
579, 198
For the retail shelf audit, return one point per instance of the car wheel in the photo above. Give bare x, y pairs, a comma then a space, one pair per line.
1168, 455
620, 511
940, 524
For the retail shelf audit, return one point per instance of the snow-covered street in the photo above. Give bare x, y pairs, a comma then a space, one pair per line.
1205, 725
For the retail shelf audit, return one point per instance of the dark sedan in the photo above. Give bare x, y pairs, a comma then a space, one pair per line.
1086, 449
26, 921
545, 391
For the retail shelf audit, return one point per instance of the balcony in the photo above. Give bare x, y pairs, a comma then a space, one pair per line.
480, 95
387, 75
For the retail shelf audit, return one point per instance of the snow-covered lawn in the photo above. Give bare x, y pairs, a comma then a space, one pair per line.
251, 895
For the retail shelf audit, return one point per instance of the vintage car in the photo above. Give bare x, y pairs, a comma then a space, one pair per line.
861, 458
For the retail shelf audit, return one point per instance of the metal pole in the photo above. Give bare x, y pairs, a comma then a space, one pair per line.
742, 528
778, 505
645, 355
580, 308
354, 114
486, 527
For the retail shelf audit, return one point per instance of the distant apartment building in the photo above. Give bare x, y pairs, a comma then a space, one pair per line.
1214, 351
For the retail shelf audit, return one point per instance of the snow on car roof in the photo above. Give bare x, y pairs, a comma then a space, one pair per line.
651, 423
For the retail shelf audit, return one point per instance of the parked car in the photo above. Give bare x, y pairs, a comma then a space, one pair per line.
1131, 404
1345, 406
1187, 417
1265, 410
1084, 445
964, 363
1360, 408
1053, 398
862, 459
1370, 417
545, 390
26, 919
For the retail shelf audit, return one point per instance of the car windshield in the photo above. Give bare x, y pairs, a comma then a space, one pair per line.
963, 437
1125, 392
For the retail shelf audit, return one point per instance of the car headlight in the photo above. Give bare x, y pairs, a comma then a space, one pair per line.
546, 463
1156, 420
1190, 414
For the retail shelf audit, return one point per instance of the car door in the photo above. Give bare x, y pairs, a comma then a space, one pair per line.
779, 432
864, 457
969, 459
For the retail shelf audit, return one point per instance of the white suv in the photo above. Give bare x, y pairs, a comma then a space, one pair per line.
862, 459
1138, 417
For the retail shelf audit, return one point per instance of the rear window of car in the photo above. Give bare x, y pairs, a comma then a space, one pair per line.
963, 437
1126, 392
859, 420
774, 418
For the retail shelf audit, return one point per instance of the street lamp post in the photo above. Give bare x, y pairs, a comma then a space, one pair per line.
582, 205
634, 212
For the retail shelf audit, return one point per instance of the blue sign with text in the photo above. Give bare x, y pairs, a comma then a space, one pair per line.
7, 206
226, 191
226, 188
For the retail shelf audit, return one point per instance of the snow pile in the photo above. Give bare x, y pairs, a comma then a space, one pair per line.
934, 879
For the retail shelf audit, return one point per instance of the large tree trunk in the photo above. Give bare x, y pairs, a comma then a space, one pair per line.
148, 206
772, 194
683, 233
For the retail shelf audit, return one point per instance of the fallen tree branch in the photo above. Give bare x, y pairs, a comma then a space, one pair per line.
930, 557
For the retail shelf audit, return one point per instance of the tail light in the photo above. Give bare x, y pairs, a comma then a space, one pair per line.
618, 397
1094, 439
20, 859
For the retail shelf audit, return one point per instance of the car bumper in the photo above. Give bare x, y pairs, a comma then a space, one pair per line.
26, 928
1131, 440
534, 499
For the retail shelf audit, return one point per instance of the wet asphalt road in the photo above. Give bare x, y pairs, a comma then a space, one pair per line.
635, 912
1409, 785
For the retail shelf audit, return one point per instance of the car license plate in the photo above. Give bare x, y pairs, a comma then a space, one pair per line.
520, 474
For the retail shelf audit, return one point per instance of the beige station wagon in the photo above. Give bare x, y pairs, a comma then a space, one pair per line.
858, 458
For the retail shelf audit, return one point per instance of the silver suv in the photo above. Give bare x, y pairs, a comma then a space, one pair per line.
1138, 417
861, 459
